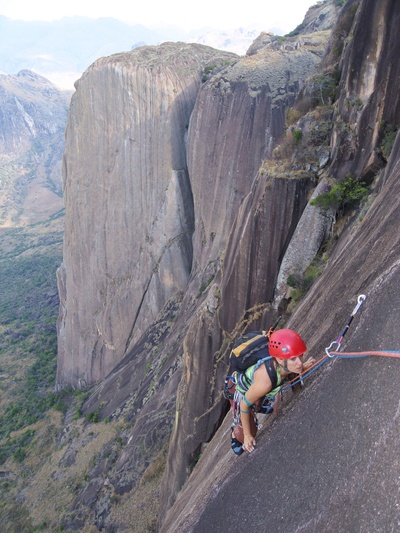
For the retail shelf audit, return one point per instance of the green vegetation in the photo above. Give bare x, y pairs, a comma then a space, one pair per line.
207, 73
28, 340
301, 282
15, 447
205, 285
292, 116
211, 70
345, 194
93, 417
324, 87
388, 134
297, 136
387, 144
298, 29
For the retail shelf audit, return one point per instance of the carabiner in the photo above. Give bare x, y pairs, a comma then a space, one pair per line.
331, 346
360, 300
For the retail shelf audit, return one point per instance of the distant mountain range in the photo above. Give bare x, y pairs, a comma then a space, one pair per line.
63, 49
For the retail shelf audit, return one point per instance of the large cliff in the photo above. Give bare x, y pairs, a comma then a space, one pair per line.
129, 208
184, 218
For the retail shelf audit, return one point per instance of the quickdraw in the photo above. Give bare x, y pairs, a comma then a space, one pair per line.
360, 300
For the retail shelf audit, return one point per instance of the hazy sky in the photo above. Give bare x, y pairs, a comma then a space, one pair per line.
220, 14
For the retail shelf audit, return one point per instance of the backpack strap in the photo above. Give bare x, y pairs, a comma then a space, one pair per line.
271, 371
245, 380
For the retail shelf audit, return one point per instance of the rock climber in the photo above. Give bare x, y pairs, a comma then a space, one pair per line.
286, 349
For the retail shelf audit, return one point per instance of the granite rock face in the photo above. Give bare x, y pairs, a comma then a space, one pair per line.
321, 16
368, 108
334, 422
129, 210
241, 111
147, 166
311, 231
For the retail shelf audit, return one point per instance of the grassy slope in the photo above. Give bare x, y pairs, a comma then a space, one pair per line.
28, 312
29, 258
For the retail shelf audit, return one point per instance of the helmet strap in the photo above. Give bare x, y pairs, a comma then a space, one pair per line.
284, 366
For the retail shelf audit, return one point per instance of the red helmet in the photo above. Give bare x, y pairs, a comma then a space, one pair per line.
286, 343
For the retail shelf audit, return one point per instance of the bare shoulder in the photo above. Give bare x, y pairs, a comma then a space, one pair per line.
262, 380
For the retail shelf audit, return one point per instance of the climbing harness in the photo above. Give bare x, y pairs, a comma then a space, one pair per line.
235, 397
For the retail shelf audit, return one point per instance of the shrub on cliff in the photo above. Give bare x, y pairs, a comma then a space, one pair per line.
345, 194
388, 133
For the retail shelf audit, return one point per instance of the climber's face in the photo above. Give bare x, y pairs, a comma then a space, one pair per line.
294, 364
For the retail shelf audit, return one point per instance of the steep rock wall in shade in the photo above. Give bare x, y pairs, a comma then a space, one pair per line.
238, 118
